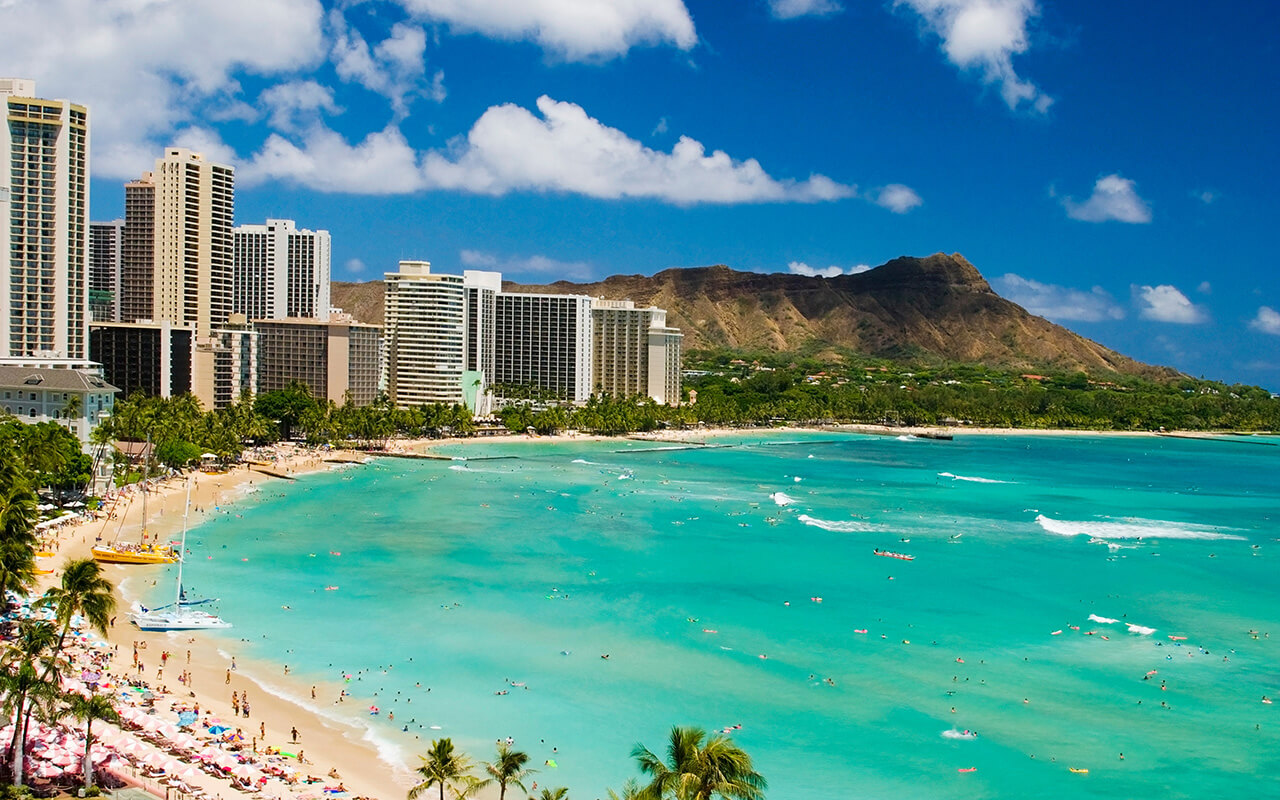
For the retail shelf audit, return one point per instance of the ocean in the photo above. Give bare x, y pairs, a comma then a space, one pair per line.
1070, 599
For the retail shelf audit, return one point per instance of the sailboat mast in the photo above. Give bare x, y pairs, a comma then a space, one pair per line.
182, 552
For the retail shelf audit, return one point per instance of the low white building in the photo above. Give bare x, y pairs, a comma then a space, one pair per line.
77, 399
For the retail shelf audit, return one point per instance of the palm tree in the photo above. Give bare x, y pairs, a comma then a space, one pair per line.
18, 515
558, 793
630, 791
507, 768
83, 591
698, 769
441, 766
88, 708
29, 678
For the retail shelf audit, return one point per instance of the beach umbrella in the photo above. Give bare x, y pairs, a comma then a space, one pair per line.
155, 760
185, 741
167, 729
47, 771
218, 729
63, 758
246, 772
171, 765
188, 772
227, 760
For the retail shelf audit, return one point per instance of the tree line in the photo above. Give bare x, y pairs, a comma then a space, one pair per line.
696, 767
33, 659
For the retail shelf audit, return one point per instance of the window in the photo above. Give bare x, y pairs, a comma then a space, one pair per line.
33, 411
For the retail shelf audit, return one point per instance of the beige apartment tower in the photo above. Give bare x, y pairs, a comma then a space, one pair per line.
185, 209
332, 357
635, 353
176, 264
44, 224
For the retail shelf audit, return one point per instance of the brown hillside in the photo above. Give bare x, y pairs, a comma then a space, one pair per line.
939, 305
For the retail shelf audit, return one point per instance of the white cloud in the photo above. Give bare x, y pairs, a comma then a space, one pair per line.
985, 35
526, 265
1165, 303
801, 268
1266, 321
1113, 198
1205, 288
1059, 303
1208, 196
660, 128
354, 266
576, 30
392, 68
510, 149
790, 9
205, 141
142, 72
294, 103
383, 163
897, 198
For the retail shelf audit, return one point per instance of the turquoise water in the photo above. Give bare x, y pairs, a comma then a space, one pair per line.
468, 577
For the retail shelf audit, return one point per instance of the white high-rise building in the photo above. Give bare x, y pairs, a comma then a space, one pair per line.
44, 224
543, 347
280, 271
635, 353
425, 335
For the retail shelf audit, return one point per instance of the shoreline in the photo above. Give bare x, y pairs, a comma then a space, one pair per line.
328, 741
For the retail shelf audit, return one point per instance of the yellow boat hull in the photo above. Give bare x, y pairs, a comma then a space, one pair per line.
142, 555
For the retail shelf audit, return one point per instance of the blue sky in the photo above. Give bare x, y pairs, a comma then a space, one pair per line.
1108, 165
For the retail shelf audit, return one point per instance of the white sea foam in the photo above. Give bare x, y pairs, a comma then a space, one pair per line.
581, 461
782, 498
969, 478
910, 438
1132, 528
959, 735
839, 526
1145, 631
460, 468
1103, 620
389, 752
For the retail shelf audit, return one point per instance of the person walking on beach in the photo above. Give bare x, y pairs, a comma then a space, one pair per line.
294, 733
228, 677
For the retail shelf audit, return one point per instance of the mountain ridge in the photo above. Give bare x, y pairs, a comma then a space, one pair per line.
939, 306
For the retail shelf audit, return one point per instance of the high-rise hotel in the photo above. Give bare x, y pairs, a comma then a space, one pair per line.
44, 173
425, 335
453, 339
280, 271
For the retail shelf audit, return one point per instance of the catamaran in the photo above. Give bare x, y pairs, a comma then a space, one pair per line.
117, 552
180, 614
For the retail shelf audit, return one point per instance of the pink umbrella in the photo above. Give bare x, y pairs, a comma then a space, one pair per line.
188, 773
47, 771
155, 760
171, 765
246, 772
186, 741
227, 760
63, 758
210, 754
168, 730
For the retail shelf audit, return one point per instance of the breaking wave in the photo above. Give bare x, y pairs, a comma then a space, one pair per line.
1103, 620
839, 526
1132, 528
1141, 629
969, 478
782, 498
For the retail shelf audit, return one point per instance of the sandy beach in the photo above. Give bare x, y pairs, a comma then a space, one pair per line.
324, 742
